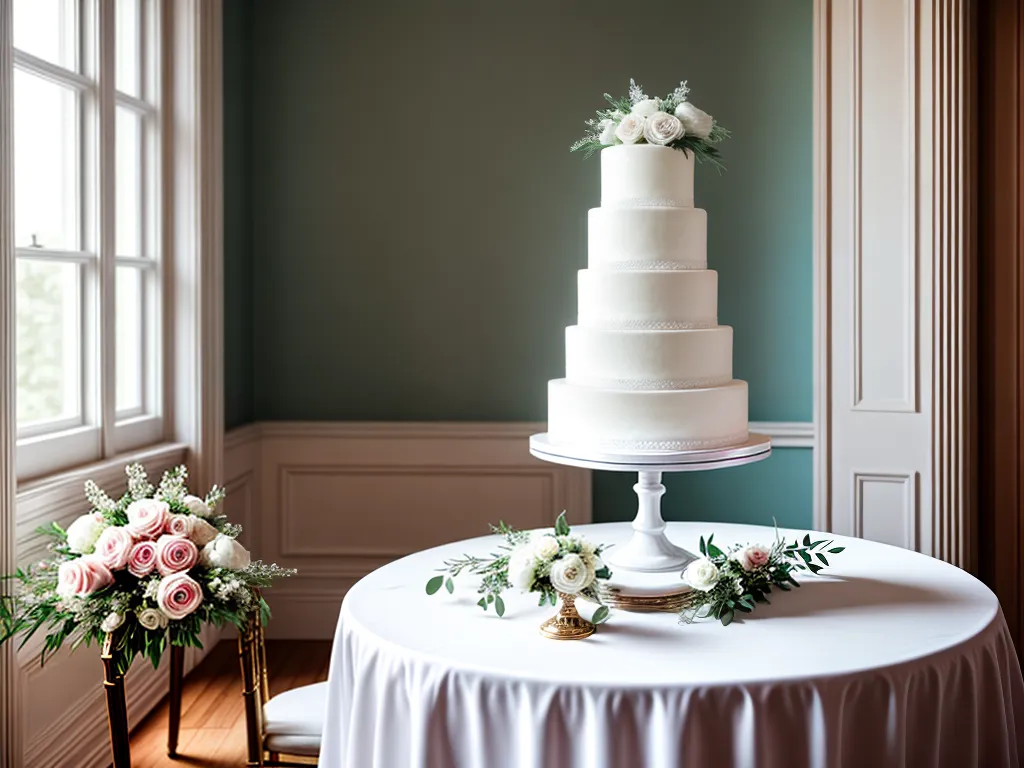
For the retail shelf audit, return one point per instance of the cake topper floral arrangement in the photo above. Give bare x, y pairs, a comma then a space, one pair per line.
152, 567
725, 582
549, 564
670, 122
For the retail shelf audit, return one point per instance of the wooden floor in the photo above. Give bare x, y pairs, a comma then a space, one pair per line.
212, 718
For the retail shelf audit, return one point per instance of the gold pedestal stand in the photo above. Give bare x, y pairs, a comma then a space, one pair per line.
567, 624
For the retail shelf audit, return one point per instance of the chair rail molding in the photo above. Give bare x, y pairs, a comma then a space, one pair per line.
10, 711
894, 261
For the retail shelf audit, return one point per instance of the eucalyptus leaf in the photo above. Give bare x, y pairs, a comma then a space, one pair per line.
807, 539
434, 584
561, 526
822, 558
499, 606
482, 602
836, 550
703, 546
449, 585
714, 551
600, 615
813, 568
727, 618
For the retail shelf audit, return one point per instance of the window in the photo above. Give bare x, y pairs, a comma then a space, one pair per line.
87, 230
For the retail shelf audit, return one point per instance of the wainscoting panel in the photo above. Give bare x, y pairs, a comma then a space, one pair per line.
337, 500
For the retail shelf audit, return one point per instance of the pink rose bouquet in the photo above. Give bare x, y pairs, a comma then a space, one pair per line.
137, 559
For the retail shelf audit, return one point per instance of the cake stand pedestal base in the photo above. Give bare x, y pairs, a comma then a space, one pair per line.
646, 569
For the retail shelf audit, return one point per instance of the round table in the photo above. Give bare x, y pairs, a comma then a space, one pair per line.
889, 658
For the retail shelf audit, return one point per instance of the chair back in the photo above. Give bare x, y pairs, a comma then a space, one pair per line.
252, 654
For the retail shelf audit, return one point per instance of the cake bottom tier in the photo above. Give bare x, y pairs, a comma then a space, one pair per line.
667, 420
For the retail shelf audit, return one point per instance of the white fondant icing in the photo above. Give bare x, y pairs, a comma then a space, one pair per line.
626, 359
666, 419
619, 238
641, 299
646, 174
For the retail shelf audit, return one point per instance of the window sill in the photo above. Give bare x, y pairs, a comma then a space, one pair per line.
43, 499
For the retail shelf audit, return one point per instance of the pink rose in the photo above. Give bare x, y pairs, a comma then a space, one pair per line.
82, 577
178, 595
147, 518
180, 525
142, 559
114, 546
752, 557
175, 553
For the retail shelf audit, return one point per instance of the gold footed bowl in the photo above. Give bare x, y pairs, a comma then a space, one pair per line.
567, 624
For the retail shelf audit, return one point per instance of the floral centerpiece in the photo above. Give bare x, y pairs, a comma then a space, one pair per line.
152, 567
554, 565
672, 121
739, 578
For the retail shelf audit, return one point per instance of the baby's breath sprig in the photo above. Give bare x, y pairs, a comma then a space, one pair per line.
139, 486
173, 485
98, 498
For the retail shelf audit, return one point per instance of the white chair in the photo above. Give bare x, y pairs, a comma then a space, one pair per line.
283, 730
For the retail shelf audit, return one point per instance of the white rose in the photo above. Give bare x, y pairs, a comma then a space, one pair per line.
225, 552
630, 129
701, 574
695, 121
152, 618
196, 506
83, 534
646, 108
522, 567
662, 128
607, 131
545, 547
569, 574
112, 622
202, 532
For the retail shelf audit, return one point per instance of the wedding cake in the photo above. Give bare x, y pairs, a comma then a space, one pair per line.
648, 367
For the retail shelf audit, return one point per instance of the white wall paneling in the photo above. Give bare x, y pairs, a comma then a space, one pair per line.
894, 272
337, 500
885, 507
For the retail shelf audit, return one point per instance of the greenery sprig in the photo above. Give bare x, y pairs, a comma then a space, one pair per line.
533, 561
736, 580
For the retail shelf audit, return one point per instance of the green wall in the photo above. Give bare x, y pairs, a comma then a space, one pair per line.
416, 221
239, 350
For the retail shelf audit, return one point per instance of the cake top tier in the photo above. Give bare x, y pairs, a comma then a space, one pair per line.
644, 175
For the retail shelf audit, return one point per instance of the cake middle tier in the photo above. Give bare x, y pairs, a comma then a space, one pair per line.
671, 420
642, 300
648, 360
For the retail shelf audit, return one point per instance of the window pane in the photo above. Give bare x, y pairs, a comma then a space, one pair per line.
129, 354
129, 183
45, 163
48, 340
128, 35
47, 29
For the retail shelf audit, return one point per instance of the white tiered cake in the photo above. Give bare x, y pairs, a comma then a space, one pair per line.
647, 367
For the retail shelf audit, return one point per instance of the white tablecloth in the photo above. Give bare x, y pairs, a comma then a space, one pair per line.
893, 659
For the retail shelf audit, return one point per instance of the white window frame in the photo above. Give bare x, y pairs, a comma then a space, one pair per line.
100, 431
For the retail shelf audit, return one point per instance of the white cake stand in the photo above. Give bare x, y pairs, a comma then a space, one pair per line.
645, 570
